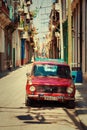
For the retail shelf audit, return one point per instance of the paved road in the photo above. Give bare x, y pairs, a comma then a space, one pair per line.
15, 116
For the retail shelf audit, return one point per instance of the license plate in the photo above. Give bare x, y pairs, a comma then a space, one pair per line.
60, 97
50, 98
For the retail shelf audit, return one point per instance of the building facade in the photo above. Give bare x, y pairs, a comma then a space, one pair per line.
78, 30
15, 32
79, 26
4, 32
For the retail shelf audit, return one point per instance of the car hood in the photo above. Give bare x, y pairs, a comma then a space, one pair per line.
50, 81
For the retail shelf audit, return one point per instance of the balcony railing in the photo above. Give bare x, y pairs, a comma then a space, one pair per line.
4, 7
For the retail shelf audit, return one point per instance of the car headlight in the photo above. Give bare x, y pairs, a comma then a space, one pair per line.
32, 88
70, 89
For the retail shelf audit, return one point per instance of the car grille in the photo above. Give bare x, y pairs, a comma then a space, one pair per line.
51, 89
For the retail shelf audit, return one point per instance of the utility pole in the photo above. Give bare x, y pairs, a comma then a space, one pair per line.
69, 34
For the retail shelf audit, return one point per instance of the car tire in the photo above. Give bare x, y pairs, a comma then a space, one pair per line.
27, 101
71, 104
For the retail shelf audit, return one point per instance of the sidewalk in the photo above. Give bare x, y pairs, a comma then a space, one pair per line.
2, 74
7, 72
81, 103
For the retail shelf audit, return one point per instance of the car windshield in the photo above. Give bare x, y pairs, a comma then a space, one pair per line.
51, 70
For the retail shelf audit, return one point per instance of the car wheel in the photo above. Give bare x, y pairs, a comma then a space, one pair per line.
27, 101
71, 104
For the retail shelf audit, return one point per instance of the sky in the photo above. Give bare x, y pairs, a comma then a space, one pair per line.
41, 21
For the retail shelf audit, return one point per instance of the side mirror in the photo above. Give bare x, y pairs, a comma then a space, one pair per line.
27, 74
73, 77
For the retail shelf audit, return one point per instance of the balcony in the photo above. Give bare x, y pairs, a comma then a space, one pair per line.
4, 15
74, 3
20, 27
24, 35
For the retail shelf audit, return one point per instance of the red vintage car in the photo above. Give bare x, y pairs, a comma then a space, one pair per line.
50, 80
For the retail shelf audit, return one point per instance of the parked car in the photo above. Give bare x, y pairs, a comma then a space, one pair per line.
50, 80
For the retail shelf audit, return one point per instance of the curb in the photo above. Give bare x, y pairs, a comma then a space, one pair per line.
81, 109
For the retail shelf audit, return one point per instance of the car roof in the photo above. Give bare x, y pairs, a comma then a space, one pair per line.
50, 61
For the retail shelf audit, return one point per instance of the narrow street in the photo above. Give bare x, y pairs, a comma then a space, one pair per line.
32, 29
14, 115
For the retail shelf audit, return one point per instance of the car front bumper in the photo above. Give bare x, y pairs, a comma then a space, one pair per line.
59, 97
